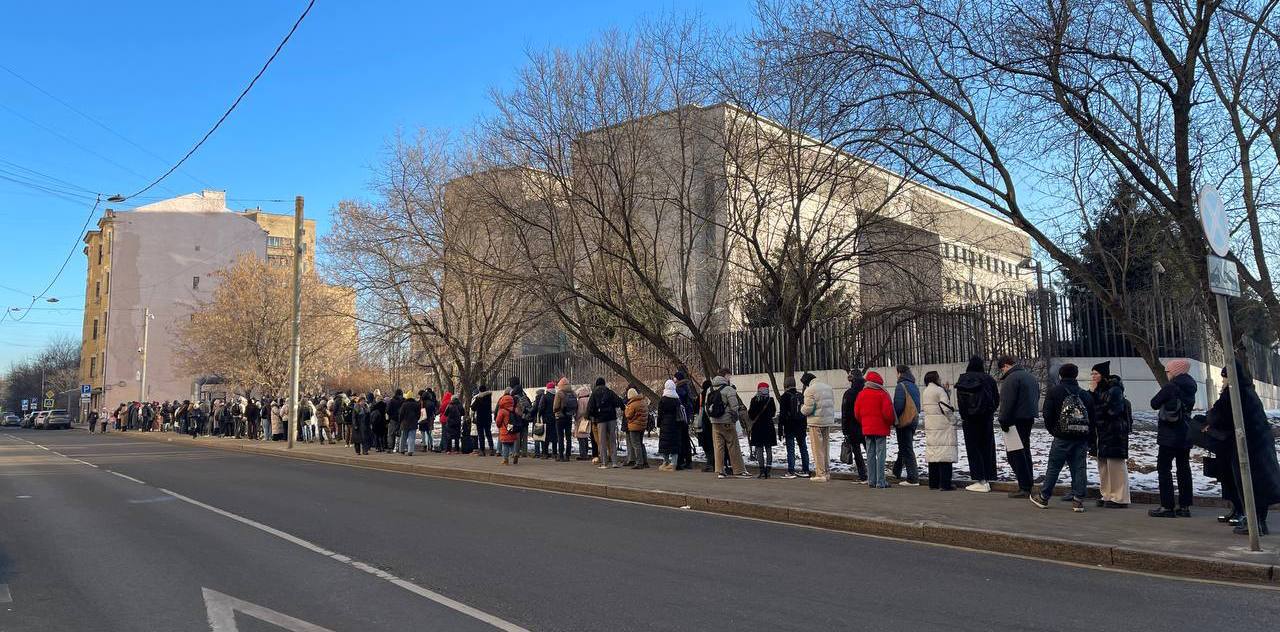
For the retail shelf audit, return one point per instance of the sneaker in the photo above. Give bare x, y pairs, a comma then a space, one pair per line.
979, 487
616, 466
603, 467
1110, 505
789, 475
744, 474
719, 475
1183, 512
1068, 498
1077, 505
861, 481
1039, 501
804, 474
1162, 512
907, 484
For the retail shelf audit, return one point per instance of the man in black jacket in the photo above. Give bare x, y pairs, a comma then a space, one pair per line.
409, 413
602, 409
1019, 399
851, 449
1068, 415
482, 413
1174, 403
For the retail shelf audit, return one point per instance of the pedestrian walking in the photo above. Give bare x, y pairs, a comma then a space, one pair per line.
637, 416
907, 406
761, 411
1113, 420
1068, 416
819, 409
1019, 403
941, 447
1173, 404
791, 425
977, 397
851, 446
874, 412
723, 409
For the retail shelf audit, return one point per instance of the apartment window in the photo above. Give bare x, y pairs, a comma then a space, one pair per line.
97, 289
108, 283
99, 254
946, 250
195, 282
279, 242
95, 329
93, 367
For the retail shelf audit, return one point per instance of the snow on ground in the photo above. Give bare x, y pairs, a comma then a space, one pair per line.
1142, 456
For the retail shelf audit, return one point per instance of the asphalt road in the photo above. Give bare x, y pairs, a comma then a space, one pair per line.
342, 548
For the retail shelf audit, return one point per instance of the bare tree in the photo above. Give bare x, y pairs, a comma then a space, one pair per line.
413, 254
1032, 110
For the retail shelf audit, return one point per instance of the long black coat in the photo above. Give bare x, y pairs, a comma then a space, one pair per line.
1112, 420
1263, 467
761, 411
671, 429
848, 423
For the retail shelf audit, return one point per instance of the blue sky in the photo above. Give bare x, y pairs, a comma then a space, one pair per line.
159, 74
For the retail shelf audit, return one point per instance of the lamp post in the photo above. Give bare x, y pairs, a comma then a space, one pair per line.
147, 316
1032, 264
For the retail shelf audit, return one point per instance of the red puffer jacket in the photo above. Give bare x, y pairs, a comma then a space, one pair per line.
506, 404
874, 408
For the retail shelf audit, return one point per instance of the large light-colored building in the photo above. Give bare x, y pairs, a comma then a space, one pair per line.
161, 258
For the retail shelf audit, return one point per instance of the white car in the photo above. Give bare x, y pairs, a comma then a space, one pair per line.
57, 418
11, 419
38, 421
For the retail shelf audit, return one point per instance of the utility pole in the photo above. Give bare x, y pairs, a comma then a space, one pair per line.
142, 381
296, 360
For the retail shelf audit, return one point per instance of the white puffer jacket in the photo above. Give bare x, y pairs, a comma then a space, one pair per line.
819, 405
939, 427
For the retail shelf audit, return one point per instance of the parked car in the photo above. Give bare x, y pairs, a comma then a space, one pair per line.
11, 419
29, 420
57, 418
38, 422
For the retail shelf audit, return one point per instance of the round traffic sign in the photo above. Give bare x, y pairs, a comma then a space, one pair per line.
1213, 217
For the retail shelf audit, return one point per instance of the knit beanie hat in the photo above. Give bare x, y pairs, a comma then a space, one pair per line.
1103, 368
1176, 367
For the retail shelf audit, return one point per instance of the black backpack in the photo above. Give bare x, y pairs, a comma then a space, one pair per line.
1073, 420
568, 404
716, 406
973, 398
605, 406
1173, 413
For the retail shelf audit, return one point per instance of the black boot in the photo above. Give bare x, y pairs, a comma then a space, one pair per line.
768, 469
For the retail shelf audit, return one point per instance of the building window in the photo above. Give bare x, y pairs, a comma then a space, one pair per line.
97, 289
108, 283
195, 282
93, 367
279, 242
95, 329
99, 254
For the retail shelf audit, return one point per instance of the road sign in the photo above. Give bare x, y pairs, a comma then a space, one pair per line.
49, 394
1223, 277
26, 405
1214, 220
48, 403
85, 390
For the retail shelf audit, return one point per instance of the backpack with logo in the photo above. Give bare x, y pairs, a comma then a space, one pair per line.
716, 406
1073, 420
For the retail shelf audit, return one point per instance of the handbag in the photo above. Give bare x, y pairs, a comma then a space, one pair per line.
909, 413
584, 426
539, 430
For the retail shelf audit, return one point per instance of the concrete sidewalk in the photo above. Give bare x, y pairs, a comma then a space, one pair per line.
1197, 547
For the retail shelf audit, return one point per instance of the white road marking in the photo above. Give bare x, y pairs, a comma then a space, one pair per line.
222, 609
24, 496
452, 604
126, 477
5, 597
144, 501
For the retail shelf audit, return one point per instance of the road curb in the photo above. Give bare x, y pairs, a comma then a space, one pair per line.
1086, 553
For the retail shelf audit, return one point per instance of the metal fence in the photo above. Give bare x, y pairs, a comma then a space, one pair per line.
1029, 328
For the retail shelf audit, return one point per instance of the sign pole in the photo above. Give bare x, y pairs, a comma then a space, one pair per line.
296, 347
1242, 441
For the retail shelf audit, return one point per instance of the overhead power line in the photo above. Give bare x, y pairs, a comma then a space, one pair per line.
235, 103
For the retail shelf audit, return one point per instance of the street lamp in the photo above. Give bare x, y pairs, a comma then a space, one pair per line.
1033, 264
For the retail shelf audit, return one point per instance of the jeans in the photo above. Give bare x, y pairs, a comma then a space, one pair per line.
1020, 460
564, 431
764, 455
1069, 452
907, 453
507, 449
1165, 459
635, 447
877, 452
607, 437
406, 438
792, 442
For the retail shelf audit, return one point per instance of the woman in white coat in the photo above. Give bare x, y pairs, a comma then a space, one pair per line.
940, 445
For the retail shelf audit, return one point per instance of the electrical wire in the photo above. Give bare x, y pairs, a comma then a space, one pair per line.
74, 246
233, 104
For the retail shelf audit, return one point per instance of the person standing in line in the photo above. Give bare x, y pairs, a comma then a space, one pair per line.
521, 414
565, 405
603, 408
453, 414
547, 413
322, 419
1068, 416
791, 425
584, 429
362, 423
342, 407
378, 421
1113, 420
1173, 404
430, 410
723, 410
941, 449
977, 395
907, 405
851, 447
508, 433
761, 412
685, 392
637, 416
819, 409
386, 437
1264, 471
1019, 403
482, 413
672, 427
541, 400
705, 440
874, 411
410, 412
